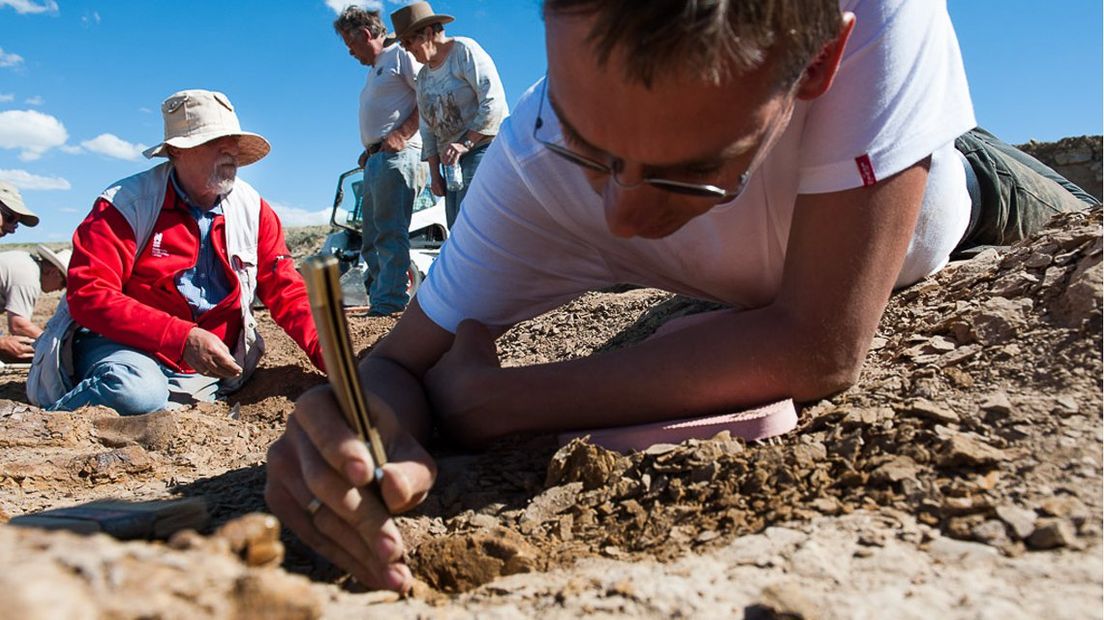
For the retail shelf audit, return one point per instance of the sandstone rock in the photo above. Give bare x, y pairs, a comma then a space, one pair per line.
1066, 507
950, 550
925, 409
1051, 534
584, 462
153, 431
461, 562
1020, 521
999, 320
992, 533
965, 450
1081, 299
784, 601
997, 402
552, 502
900, 468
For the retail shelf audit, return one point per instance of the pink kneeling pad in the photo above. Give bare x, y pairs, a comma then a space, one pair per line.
751, 424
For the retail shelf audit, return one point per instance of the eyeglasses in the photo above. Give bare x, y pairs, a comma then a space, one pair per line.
699, 190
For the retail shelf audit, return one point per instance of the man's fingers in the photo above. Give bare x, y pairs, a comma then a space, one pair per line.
406, 483
300, 522
334, 525
473, 334
331, 436
351, 527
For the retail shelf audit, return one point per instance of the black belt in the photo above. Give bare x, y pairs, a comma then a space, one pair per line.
375, 148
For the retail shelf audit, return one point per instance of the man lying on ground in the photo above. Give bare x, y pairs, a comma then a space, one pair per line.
795, 159
23, 278
163, 276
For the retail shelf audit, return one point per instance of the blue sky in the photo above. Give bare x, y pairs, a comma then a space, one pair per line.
81, 83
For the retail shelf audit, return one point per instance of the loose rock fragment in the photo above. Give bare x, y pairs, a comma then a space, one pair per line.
928, 410
784, 601
1021, 521
997, 402
964, 450
1051, 534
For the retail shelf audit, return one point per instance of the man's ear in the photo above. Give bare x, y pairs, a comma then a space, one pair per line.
820, 74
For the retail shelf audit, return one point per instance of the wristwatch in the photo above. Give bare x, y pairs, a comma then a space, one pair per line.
467, 143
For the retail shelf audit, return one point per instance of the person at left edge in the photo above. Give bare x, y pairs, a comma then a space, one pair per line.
163, 273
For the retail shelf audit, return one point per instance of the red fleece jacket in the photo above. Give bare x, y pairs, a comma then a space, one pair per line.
136, 302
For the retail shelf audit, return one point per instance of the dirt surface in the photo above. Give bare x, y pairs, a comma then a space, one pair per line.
961, 477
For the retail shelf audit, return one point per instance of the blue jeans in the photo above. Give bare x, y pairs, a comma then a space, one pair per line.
1014, 194
468, 163
390, 184
127, 380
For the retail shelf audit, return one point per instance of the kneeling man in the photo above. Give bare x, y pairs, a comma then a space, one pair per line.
163, 274
23, 279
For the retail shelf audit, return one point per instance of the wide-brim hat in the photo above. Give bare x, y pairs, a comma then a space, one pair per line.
57, 259
414, 17
195, 117
11, 198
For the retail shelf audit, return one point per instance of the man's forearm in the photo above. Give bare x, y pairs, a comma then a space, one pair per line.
409, 127
434, 162
729, 362
22, 326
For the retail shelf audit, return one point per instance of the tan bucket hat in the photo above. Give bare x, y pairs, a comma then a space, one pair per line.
194, 117
10, 198
59, 259
414, 17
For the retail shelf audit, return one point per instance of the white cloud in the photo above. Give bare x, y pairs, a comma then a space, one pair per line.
6, 97
114, 146
71, 149
339, 5
90, 18
31, 132
8, 59
145, 110
25, 180
24, 7
294, 216
36, 100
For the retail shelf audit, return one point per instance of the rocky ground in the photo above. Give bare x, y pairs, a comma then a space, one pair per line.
961, 477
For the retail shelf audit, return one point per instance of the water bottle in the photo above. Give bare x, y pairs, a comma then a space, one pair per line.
454, 177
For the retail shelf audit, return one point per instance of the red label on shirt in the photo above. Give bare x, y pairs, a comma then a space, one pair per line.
866, 170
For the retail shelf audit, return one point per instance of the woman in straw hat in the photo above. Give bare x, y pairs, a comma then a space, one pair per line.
460, 99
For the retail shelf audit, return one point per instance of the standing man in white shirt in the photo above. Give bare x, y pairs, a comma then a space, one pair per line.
393, 170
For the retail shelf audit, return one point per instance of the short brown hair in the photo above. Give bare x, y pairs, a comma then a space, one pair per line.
712, 39
354, 17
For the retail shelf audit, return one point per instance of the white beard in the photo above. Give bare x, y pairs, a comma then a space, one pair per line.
221, 181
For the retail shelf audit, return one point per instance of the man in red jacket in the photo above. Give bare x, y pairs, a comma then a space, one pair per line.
163, 273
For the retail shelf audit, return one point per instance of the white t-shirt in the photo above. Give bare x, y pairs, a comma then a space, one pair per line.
19, 283
532, 234
389, 95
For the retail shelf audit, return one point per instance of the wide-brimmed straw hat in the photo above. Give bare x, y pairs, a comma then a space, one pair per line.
58, 259
414, 17
10, 198
194, 117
